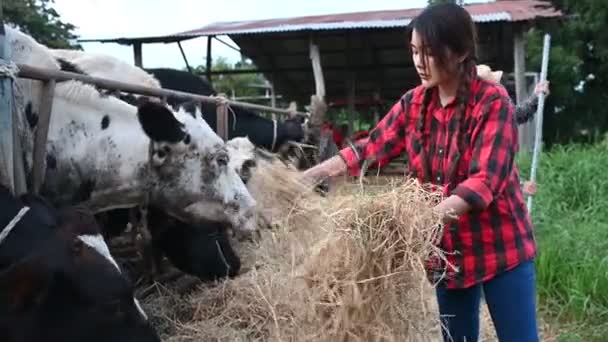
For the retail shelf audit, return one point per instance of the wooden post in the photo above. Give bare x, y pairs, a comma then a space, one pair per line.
6, 116
137, 54
20, 182
46, 106
181, 49
519, 69
209, 60
351, 86
222, 120
315, 57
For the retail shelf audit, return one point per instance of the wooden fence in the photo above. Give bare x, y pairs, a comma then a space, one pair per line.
49, 77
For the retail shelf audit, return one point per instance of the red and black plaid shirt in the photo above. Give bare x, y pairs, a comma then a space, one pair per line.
496, 235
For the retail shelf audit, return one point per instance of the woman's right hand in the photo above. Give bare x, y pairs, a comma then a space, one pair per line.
327, 169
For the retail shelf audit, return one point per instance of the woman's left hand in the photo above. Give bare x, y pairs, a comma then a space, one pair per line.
542, 87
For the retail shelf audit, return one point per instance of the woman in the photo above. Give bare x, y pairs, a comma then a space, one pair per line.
458, 132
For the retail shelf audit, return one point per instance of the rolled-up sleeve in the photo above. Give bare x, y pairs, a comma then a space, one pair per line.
385, 141
494, 144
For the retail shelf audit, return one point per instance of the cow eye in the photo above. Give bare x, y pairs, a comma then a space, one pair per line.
248, 164
222, 160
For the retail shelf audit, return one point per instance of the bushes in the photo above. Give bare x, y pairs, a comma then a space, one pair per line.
570, 214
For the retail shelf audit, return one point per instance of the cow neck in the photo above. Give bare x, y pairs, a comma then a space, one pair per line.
136, 193
13, 223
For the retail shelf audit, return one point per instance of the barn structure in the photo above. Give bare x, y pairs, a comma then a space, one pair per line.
358, 59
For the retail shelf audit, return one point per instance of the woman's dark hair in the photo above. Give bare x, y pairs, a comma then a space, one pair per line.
442, 28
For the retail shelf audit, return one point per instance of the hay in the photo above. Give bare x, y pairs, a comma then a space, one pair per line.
351, 271
280, 193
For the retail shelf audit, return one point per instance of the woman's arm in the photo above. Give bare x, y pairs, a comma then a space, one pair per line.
493, 145
384, 142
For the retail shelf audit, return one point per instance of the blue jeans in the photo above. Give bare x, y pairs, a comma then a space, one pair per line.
511, 301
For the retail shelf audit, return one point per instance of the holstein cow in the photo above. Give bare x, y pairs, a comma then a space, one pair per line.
186, 249
121, 155
58, 281
202, 250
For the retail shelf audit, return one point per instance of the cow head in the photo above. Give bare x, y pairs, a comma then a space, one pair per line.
59, 281
191, 169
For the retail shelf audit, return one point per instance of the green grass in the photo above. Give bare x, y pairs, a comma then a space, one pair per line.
570, 214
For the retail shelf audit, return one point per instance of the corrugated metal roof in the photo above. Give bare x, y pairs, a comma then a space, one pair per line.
510, 10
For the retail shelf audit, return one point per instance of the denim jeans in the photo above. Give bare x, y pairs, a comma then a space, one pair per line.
511, 300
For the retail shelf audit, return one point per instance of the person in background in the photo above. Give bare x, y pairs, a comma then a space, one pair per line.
524, 112
460, 135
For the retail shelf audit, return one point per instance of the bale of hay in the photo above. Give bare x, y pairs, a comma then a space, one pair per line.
355, 273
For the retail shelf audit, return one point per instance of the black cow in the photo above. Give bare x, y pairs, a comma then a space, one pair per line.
203, 251
57, 280
261, 131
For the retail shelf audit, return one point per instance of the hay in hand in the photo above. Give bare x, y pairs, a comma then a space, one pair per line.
281, 194
354, 273
369, 270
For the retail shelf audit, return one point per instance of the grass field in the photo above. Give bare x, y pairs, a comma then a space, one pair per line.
570, 213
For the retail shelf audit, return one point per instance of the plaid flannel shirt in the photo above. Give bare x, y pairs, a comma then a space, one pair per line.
496, 234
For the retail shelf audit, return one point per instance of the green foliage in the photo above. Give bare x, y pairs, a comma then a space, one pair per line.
38, 19
579, 55
570, 215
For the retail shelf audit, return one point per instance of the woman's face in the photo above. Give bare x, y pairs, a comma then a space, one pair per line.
429, 72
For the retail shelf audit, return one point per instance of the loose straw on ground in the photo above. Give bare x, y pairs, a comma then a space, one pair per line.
349, 269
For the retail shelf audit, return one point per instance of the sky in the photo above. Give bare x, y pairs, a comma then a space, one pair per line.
136, 18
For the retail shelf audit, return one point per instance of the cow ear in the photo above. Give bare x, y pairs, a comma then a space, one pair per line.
159, 123
24, 285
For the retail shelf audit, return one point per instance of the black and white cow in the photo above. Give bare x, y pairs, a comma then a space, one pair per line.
58, 281
202, 250
263, 132
123, 155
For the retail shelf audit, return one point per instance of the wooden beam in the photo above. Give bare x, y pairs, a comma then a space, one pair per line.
361, 67
351, 88
208, 65
40, 140
315, 57
19, 177
41, 74
350, 85
181, 49
137, 54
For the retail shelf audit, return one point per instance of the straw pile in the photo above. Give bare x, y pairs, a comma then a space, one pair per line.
347, 267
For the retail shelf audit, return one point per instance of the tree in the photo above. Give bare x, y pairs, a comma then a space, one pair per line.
578, 69
238, 84
38, 19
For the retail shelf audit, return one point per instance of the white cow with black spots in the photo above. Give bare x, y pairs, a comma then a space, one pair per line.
116, 155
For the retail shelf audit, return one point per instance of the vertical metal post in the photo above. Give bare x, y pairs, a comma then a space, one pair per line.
539, 115
6, 115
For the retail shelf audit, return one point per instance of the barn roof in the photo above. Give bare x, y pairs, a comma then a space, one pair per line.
367, 46
507, 11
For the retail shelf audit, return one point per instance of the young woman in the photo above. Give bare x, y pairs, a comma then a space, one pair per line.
458, 132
